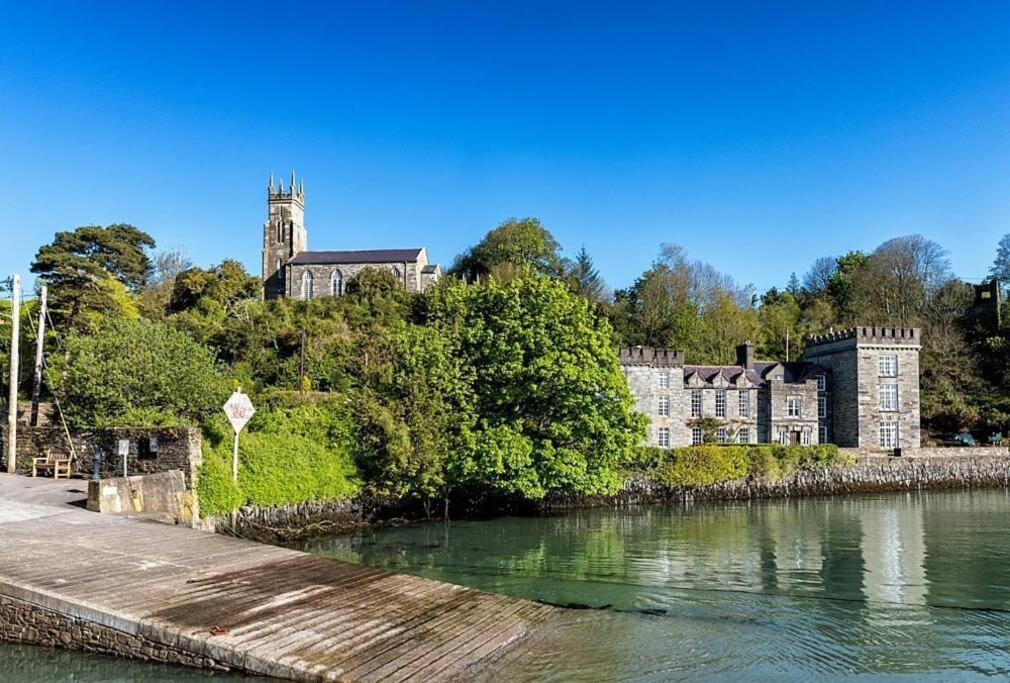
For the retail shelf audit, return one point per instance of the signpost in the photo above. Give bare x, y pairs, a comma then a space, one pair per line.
124, 453
239, 410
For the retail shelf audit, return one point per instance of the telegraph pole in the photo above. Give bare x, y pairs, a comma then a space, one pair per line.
12, 405
39, 340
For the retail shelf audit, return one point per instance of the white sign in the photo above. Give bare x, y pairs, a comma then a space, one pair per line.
239, 410
124, 447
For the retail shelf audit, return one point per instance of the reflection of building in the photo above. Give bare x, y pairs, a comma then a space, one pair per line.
290, 270
894, 551
856, 388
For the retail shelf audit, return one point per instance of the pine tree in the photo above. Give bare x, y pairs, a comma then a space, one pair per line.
586, 278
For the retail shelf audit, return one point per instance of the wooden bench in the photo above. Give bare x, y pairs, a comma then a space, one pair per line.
57, 462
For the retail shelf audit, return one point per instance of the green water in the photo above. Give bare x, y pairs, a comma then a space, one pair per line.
904, 587
901, 587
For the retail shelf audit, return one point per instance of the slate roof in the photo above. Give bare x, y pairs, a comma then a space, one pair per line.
362, 256
429, 269
796, 371
731, 372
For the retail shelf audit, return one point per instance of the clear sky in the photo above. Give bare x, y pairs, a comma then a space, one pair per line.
757, 135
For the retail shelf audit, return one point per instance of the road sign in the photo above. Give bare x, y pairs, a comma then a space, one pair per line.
239, 410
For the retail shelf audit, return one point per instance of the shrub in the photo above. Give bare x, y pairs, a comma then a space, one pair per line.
703, 465
289, 455
710, 464
136, 373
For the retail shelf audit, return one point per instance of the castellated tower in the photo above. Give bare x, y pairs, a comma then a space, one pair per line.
284, 235
874, 385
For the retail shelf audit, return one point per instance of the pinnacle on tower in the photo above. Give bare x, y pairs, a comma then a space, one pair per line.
270, 185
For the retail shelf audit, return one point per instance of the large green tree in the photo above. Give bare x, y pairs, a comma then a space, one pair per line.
553, 411
513, 248
93, 272
138, 373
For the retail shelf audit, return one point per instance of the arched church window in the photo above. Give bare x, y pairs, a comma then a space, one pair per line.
336, 283
396, 273
307, 285
280, 231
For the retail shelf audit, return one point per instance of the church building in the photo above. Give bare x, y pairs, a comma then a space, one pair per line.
291, 270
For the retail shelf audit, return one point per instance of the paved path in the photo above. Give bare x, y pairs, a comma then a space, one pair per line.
283, 613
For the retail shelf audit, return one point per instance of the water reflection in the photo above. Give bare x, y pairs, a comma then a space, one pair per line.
908, 584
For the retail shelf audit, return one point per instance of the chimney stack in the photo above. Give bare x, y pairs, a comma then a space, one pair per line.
745, 355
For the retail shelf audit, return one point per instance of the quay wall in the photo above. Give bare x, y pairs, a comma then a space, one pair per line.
946, 468
24, 622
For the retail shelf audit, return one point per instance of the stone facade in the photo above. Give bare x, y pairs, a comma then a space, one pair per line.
841, 391
865, 363
151, 450
291, 270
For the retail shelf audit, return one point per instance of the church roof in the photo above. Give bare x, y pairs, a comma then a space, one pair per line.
361, 256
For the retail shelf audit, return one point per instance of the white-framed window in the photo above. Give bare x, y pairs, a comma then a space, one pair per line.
784, 437
307, 285
744, 435
664, 380
805, 437
697, 436
664, 406
822, 382
721, 436
888, 397
663, 437
695, 402
743, 403
888, 365
720, 403
336, 283
794, 406
822, 407
888, 435
822, 434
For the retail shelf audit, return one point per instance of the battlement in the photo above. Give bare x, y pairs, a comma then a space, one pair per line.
295, 191
652, 357
870, 335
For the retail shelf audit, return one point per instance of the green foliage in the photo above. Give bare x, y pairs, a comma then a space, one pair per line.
92, 273
514, 248
551, 408
217, 493
292, 454
712, 464
137, 373
223, 284
703, 465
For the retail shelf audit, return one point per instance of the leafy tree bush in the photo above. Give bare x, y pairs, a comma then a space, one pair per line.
711, 464
293, 454
551, 408
92, 271
136, 373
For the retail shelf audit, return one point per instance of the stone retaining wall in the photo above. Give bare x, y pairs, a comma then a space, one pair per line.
23, 622
955, 469
151, 450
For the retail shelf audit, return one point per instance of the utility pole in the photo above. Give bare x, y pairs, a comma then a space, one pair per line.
39, 341
301, 365
12, 406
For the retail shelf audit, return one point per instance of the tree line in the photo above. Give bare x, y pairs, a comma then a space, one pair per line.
502, 378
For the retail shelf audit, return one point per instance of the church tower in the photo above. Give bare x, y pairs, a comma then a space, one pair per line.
284, 233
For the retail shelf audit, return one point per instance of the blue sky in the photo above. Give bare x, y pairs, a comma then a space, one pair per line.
758, 136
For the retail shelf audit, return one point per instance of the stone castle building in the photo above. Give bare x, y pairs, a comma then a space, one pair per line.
291, 270
858, 388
